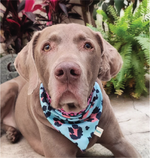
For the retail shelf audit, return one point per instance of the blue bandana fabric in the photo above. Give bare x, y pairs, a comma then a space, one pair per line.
77, 127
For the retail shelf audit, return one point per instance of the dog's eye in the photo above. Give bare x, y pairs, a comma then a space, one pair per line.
88, 46
47, 47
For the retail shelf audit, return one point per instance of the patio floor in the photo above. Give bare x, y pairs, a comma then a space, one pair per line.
133, 117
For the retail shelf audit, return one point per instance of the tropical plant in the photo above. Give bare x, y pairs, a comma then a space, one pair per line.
129, 34
21, 19
56, 10
17, 25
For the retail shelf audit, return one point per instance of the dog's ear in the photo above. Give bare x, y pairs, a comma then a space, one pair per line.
111, 60
25, 64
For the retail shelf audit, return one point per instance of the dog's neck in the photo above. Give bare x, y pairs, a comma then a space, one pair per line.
70, 113
79, 127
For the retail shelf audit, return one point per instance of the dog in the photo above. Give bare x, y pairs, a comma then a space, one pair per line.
58, 102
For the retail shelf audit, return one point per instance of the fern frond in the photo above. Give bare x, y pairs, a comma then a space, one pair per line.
137, 26
112, 12
104, 15
121, 26
119, 30
125, 53
147, 17
142, 10
145, 7
139, 72
117, 45
145, 45
137, 23
128, 16
109, 87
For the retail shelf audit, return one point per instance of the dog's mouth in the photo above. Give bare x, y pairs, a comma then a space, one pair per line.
71, 108
69, 103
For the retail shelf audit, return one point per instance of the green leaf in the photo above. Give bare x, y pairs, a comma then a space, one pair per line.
119, 30
117, 45
122, 75
119, 5
143, 9
139, 73
145, 45
137, 26
137, 23
104, 15
112, 12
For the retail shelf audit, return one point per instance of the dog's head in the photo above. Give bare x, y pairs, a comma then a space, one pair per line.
67, 59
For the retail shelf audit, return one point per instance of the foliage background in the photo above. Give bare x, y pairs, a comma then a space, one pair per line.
129, 34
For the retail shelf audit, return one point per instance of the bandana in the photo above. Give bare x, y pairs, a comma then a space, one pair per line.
77, 127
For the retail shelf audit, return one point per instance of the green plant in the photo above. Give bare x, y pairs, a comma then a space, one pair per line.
129, 34
118, 6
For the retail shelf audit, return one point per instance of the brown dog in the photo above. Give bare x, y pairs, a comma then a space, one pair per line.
68, 59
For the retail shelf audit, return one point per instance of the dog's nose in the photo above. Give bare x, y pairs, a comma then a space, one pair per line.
67, 71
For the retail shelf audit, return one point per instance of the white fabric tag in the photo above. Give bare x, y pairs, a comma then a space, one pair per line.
98, 132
